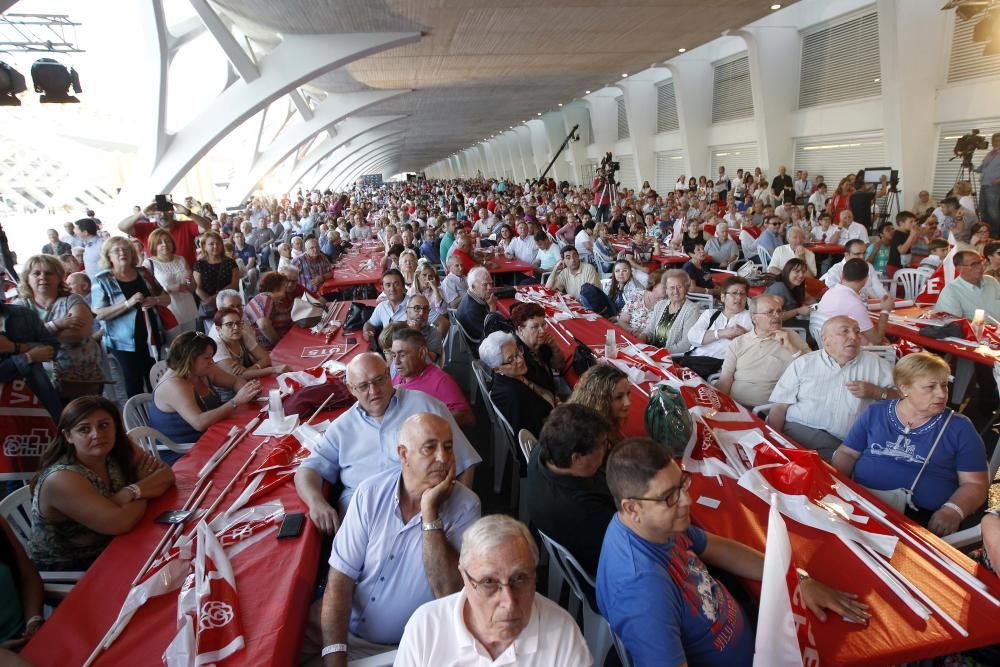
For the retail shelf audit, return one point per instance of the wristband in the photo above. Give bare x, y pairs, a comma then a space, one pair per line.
233, 403
955, 508
333, 648
135, 491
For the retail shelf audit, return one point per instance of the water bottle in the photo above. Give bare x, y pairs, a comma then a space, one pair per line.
610, 345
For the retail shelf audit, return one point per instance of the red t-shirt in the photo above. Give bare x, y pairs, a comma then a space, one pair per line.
183, 234
468, 263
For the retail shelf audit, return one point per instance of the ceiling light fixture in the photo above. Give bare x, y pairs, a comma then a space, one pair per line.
681, 50
775, 6
587, 92
625, 75
560, 104
539, 113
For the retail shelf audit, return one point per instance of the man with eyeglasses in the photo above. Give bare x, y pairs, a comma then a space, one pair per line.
856, 249
653, 585
361, 442
409, 351
497, 618
398, 547
771, 237
755, 360
970, 289
418, 311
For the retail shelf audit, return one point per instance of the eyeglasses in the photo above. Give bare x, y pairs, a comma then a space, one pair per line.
973, 264
768, 313
419, 309
488, 586
673, 494
510, 360
363, 387
233, 325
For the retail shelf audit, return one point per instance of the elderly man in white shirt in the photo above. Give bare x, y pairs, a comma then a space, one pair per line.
522, 246
852, 230
821, 394
497, 618
856, 249
794, 248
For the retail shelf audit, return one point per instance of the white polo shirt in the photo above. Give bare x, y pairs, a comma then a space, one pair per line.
436, 634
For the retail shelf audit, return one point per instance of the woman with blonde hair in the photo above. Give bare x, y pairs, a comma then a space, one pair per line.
174, 275
407, 264
917, 447
606, 390
426, 283
673, 317
76, 368
125, 298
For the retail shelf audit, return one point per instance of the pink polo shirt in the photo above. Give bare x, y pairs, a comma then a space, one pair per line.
438, 384
842, 300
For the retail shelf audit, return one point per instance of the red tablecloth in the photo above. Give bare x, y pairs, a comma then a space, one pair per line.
353, 269
964, 351
274, 578
826, 248
894, 635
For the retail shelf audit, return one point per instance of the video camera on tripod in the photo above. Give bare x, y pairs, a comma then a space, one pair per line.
608, 167
968, 144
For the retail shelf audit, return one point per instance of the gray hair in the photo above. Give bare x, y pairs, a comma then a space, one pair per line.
681, 274
491, 349
475, 272
490, 532
224, 294
756, 301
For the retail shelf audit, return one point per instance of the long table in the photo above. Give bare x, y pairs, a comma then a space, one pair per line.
274, 579
894, 635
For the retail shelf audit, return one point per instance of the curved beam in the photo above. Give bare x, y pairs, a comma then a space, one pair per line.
348, 131
357, 157
333, 109
295, 61
337, 157
361, 157
370, 166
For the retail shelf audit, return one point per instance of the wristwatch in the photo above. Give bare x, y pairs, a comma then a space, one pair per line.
437, 524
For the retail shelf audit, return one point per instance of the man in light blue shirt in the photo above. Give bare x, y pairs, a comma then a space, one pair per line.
391, 309
970, 290
399, 545
362, 441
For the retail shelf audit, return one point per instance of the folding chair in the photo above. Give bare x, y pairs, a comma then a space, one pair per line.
136, 411
911, 280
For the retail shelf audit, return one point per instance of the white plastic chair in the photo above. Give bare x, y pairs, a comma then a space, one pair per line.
154, 442
765, 257
156, 373
887, 352
596, 630
16, 511
527, 440
911, 280
707, 299
136, 411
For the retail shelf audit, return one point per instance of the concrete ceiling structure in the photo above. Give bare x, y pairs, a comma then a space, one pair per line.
482, 66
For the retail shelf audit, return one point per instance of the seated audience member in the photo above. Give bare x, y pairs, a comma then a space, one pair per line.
905, 235
635, 314
548, 252
497, 618
567, 497
624, 288
425, 283
653, 586
825, 231
771, 237
478, 302
399, 543
749, 234
851, 229
185, 402
795, 248
892, 442
25, 344
693, 235
791, 287
606, 390
454, 285
313, 266
269, 313
21, 616
55, 247
755, 360
971, 289
643, 247
992, 254
844, 299
604, 251
523, 403
233, 353
409, 351
570, 274
417, 314
92, 485
937, 250
392, 308
672, 318
523, 246
542, 355
877, 252
358, 444
821, 394
699, 270
856, 249
721, 249
462, 248
715, 330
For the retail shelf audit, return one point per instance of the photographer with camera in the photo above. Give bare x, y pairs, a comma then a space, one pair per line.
604, 187
989, 190
160, 215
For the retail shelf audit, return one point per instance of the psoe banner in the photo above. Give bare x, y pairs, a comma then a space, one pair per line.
25, 430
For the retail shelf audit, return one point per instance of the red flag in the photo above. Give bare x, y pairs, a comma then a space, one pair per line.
943, 275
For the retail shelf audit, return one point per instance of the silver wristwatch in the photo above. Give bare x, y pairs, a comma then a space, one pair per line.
437, 524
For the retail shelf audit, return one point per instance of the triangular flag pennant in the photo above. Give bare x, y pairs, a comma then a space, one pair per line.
788, 641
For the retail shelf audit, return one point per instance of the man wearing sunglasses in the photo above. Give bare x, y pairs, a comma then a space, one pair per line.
653, 585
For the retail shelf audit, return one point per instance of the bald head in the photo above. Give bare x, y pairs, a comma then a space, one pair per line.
421, 426
425, 452
368, 380
365, 364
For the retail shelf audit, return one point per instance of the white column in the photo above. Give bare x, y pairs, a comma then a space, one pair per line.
640, 108
693, 90
604, 119
527, 153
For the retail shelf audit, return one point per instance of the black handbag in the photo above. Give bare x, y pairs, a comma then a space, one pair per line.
357, 316
583, 357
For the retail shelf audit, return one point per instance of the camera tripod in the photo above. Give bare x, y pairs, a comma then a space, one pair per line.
610, 189
966, 172
891, 201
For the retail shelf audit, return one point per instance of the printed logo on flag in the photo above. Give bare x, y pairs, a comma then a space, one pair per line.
215, 614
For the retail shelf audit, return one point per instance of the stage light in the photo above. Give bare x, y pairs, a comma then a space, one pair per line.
11, 83
53, 80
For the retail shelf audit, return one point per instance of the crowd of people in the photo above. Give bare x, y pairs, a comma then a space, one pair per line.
413, 563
